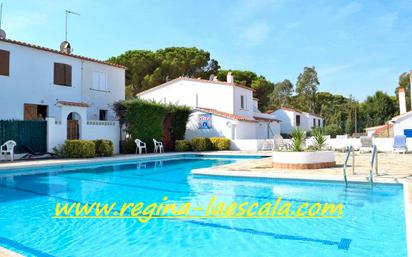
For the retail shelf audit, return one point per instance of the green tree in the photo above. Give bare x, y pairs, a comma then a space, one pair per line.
404, 82
377, 109
146, 69
306, 88
281, 94
139, 63
263, 89
241, 77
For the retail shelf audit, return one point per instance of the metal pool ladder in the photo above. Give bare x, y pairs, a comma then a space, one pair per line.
345, 165
374, 163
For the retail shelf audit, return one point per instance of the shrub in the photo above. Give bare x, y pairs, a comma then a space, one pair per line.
103, 147
182, 146
201, 144
220, 143
320, 140
298, 140
127, 147
332, 130
78, 149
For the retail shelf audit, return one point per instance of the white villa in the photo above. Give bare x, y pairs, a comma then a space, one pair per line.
73, 93
221, 109
292, 119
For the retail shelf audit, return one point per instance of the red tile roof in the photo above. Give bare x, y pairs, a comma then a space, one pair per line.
383, 128
265, 119
195, 80
73, 104
61, 53
226, 115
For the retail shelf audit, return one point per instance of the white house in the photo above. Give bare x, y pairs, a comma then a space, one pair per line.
73, 93
402, 124
221, 109
292, 119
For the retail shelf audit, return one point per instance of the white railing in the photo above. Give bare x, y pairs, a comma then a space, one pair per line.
101, 122
345, 165
374, 163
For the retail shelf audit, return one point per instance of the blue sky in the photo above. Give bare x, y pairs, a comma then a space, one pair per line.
357, 47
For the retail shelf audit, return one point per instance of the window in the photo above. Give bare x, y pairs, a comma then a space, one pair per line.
99, 81
314, 123
62, 74
243, 102
4, 63
318, 123
35, 112
297, 120
102, 114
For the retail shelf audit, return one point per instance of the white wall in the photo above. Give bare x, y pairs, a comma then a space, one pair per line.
288, 120
220, 128
401, 125
31, 81
248, 96
248, 144
183, 92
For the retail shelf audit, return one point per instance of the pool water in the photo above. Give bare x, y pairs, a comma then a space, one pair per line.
373, 222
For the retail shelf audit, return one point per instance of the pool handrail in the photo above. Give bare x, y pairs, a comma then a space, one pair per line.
374, 163
345, 165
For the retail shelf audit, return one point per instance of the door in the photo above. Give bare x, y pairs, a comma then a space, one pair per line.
30, 112
72, 129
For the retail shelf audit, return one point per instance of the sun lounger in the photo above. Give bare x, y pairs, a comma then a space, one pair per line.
366, 145
399, 144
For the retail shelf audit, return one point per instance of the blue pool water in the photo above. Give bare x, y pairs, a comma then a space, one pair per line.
373, 222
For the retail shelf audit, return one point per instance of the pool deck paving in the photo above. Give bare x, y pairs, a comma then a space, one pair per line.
392, 168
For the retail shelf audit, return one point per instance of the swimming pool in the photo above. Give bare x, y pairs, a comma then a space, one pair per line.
373, 222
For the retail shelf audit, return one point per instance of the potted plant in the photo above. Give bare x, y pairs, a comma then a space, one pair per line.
298, 156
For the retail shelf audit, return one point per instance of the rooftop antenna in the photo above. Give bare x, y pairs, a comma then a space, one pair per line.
65, 46
67, 14
2, 32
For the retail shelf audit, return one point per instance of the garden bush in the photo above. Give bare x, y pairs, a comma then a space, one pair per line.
103, 147
127, 147
78, 149
182, 145
220, 143
201, 144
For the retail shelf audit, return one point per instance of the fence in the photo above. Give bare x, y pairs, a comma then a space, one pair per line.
30, 133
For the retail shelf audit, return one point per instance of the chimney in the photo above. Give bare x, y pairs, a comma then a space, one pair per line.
402, 100
229, 77
410, 86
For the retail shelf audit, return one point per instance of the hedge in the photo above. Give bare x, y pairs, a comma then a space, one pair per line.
127, 147
220, 143
103, 147
145, 120
201, 144
78, 149
182, 145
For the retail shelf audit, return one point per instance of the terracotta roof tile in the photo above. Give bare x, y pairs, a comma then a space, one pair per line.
226, 115
266, 119
73, 104
58, 52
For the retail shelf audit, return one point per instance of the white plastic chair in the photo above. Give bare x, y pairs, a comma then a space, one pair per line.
8, 148
140, 145
158, 146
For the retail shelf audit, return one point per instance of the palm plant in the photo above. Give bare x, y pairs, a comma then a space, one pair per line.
320, 139
298, 140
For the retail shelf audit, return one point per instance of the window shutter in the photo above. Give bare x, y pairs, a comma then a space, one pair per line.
68, 75
58, 73
4, 63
